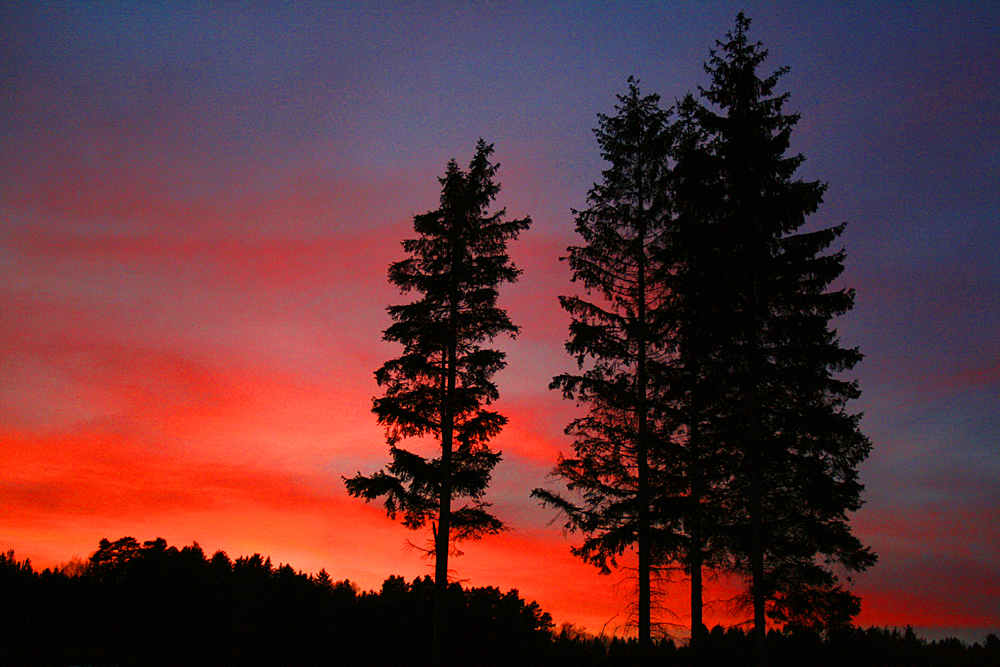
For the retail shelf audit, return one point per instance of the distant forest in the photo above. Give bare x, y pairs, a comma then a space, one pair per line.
148, 603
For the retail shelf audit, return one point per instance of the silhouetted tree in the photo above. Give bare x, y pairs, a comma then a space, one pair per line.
795, 447
113, 557
695, 388
443, 382
619, 338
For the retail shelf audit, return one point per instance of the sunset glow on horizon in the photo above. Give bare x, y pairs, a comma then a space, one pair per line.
198, 207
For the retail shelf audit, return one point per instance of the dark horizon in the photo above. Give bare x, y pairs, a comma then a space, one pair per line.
153, 603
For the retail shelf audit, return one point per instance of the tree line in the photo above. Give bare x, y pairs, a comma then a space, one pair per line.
148, 603
715, 433
151, 604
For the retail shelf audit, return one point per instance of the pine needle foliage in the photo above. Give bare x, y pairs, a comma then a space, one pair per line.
442, 385
795, 447
618, 338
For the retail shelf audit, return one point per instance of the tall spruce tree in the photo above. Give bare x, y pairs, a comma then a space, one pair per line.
696, 389
617, 336
442, 384
792, 476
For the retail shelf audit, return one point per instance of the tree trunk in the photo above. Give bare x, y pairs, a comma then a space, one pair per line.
443, 536
757, 460
642, 445
645, 593
757, 557
695, 555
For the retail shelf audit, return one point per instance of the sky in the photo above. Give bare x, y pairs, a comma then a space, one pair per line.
199, 202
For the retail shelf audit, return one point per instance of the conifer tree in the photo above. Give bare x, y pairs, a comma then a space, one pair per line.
617, 336
696, 388
443, 383
795, 448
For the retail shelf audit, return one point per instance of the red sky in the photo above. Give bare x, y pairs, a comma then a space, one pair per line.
198, 207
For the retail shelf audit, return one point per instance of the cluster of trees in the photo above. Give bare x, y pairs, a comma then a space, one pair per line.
716, 434
149, 603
